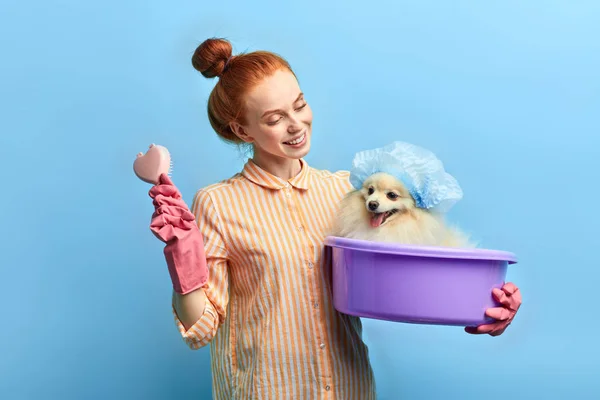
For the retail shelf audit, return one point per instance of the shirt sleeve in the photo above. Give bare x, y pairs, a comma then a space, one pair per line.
217, 287
344, 186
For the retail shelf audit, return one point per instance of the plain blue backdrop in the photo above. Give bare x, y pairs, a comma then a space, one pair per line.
506, 93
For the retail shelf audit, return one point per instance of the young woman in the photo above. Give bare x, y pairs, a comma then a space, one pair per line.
256, 284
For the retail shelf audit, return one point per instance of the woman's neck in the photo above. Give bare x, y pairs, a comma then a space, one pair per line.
284, 168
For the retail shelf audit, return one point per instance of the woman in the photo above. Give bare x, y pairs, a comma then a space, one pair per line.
266, 306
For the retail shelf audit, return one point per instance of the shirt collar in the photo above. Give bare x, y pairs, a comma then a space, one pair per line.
263, 178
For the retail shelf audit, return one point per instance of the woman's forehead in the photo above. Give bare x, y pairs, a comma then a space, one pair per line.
278, 90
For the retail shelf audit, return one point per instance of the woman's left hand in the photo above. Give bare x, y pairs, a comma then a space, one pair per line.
510, 299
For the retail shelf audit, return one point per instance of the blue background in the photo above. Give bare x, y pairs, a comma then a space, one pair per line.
506, 94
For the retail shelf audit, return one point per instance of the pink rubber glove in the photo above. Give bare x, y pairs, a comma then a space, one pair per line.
173, 223
510, 299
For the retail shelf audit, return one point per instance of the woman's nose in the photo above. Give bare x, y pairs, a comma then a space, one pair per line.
295, 125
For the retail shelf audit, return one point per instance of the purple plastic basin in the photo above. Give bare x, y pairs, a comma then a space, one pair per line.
416, 284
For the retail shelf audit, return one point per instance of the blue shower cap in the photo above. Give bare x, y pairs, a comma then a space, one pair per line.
417, 168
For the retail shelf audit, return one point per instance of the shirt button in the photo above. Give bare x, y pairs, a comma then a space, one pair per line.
327, 387
310, 264
316, 304
300, 228
322, 345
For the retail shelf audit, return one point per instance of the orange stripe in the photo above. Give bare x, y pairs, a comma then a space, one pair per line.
259, 285
312, 284
280, 262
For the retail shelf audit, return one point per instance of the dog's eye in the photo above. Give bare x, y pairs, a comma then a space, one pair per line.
371, 190
392, 196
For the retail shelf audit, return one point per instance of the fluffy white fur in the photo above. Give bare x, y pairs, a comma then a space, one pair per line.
403, 222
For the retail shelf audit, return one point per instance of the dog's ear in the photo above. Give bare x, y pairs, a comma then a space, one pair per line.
404, 192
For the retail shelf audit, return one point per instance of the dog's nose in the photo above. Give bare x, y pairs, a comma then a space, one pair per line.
373, 205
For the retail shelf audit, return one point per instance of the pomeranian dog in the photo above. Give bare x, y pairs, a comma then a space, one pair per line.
383, 210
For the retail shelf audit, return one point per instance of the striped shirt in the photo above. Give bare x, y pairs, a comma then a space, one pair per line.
269, 318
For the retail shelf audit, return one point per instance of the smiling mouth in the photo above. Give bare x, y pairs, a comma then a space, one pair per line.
378, 219
296, 141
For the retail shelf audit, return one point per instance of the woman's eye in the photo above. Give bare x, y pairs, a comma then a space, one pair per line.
371, 190
392, 196
301, 107
274, 122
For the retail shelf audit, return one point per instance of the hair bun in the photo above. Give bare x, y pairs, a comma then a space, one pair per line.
211, 56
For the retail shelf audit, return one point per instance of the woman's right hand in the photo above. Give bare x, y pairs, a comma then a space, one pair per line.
172, 218
173, 223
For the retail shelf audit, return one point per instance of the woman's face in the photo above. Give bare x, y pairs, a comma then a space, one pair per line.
278, 119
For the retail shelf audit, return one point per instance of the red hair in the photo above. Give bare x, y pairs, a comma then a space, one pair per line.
237, 76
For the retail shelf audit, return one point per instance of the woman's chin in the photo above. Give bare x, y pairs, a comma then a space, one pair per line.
297, 151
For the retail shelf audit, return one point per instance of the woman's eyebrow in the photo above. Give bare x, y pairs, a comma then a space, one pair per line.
273, 111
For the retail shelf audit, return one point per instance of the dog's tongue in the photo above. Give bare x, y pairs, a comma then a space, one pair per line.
377, 219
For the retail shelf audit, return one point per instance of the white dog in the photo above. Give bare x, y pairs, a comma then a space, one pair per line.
384, 211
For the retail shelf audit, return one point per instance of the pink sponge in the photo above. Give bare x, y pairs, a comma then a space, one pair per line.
150, 166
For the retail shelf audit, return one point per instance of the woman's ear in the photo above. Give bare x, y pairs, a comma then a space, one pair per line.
240, 132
